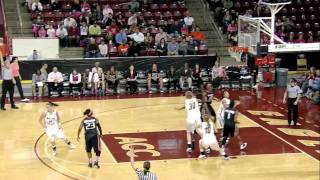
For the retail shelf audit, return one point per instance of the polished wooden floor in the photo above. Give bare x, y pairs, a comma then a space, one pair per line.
25, 152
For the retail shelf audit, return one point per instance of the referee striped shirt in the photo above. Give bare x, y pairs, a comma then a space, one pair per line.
148, 176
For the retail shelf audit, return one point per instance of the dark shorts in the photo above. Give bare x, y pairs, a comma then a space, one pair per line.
228, 131
93, 142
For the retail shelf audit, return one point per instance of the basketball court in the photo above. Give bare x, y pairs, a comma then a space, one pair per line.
156, 129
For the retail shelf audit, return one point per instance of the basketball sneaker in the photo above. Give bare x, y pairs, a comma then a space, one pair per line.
71, 146
208, 151
90, 165
202, 156
189, 149
161, 91
25, 100
243, 146
97, 164
226, 157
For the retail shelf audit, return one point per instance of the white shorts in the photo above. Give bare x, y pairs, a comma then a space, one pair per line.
209, 141
53, 133
192, 123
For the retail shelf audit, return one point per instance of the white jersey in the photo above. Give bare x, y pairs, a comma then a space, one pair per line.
207, 130
51, 120
192, 107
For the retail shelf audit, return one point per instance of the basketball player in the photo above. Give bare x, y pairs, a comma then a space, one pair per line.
193, 119
91, 126
207, 97
50, 121
209, 139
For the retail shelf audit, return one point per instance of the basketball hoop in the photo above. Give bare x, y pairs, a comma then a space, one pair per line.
236, 52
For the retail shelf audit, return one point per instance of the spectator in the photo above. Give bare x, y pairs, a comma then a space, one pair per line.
92, 50
62, 34
112, 47
87, 82
197, 36
184, 30
96, 67
161, 35
15, 69
99, 82
226, 20
69, 22
173, 48
133, 19
112, 79
83, 30
94, 30
141, 21
120, 21
175, 29
38, 81
191, 47
291, 38
83, 19
42, 32
203, 45
134, 6
300, 38
75, 6
138, 37
173, 78
98, 14
75, 82
43, 71
74, 35
165, 26
288, 24
34, 56
197, 76
183, 47
55, 81
85, 7
216, 75
36, 6
309, 77
148, 40
278, 23
36, 24
114, 29
154, 78
121, 37
162, 47
132, 79
107, 20
51, 32
133, 28
107, 10
227, 4
185, 75
109, 37
55, 5
232, 29
310, 39
247, 14
123, 50
103, 48
188, 21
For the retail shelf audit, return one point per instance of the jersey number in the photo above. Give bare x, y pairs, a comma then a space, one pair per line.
192, 105
91, 125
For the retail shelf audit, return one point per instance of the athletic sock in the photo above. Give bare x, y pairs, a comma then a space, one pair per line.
97, 158
90, 160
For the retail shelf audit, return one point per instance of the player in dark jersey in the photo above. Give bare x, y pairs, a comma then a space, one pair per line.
91, 126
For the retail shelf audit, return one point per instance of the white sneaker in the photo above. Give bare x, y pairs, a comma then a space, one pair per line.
222, 153
150, 92
189, 150
243, 146
202, 156
161, 91
25, 100
54, 153
71, 146
226, 157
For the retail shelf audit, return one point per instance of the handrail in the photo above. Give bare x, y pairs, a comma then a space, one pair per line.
3, 15
19, 15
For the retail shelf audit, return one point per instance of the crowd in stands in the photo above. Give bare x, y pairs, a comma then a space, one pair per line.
119, 28
310, 85
297, 22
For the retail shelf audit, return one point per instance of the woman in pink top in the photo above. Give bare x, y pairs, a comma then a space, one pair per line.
42, 32
14, 66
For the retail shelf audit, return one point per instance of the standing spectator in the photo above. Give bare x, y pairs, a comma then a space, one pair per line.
161, 35
123, 50
309, 77
103, 48
75, 81
62, 34
183, 47
38, 81
133, 20
132, 79
83, 30
292, 96
8, 83
107, 10
51, 32
186, 75
85, 7
92, 50
34, 56
162, 47
121, 37
42, 32
173, 47
94, 30
15, 69
36, 6
134, 6
188, 21
69, 22
55, 81
197, 36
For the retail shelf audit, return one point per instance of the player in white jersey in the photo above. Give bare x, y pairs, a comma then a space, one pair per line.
193, 118
209, 139
50, 121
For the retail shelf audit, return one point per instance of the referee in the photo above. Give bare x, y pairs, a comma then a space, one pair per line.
144, 174
8, 83
293, 93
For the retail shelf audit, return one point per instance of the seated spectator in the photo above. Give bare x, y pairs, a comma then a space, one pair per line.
188, 21
85, 7
109, 37
161, 35
197, 36
107, 10
216, 74
165, 26
278, 23
36, 24
191, 48
121, 37
185, 75
184, 30
138, 37
120, 21
107, 20
133, 19
203, 45
123, 50
36, 6
154, 78
112, 79
175, 29
226, 20
51, 32
132, 79
62, 34
103, 48
173, 79
308, 80
42, 32
300, 38
183, 47
55, 5
75, 82
291, 38
96, 67
34, 56
114, 29
173, 47
94, 30
288, 24
92, 50
141, 22
232, 29
162, 48
197, 76
310, 39
134, 6
227, 4
69, 22
316, 83
97, 14
83, 30
55, 82
75, 6
133, 28
99, 82
38, 81
74, 35
87, 82
148, 41
112, 47
83, 19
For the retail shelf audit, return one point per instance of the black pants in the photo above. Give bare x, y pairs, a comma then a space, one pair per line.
93, 142
78, 86
198, 81
7, 86
174, 82
19, 87
228, 131
216, 82
292, 109
132, 86
58, 87
114, 84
